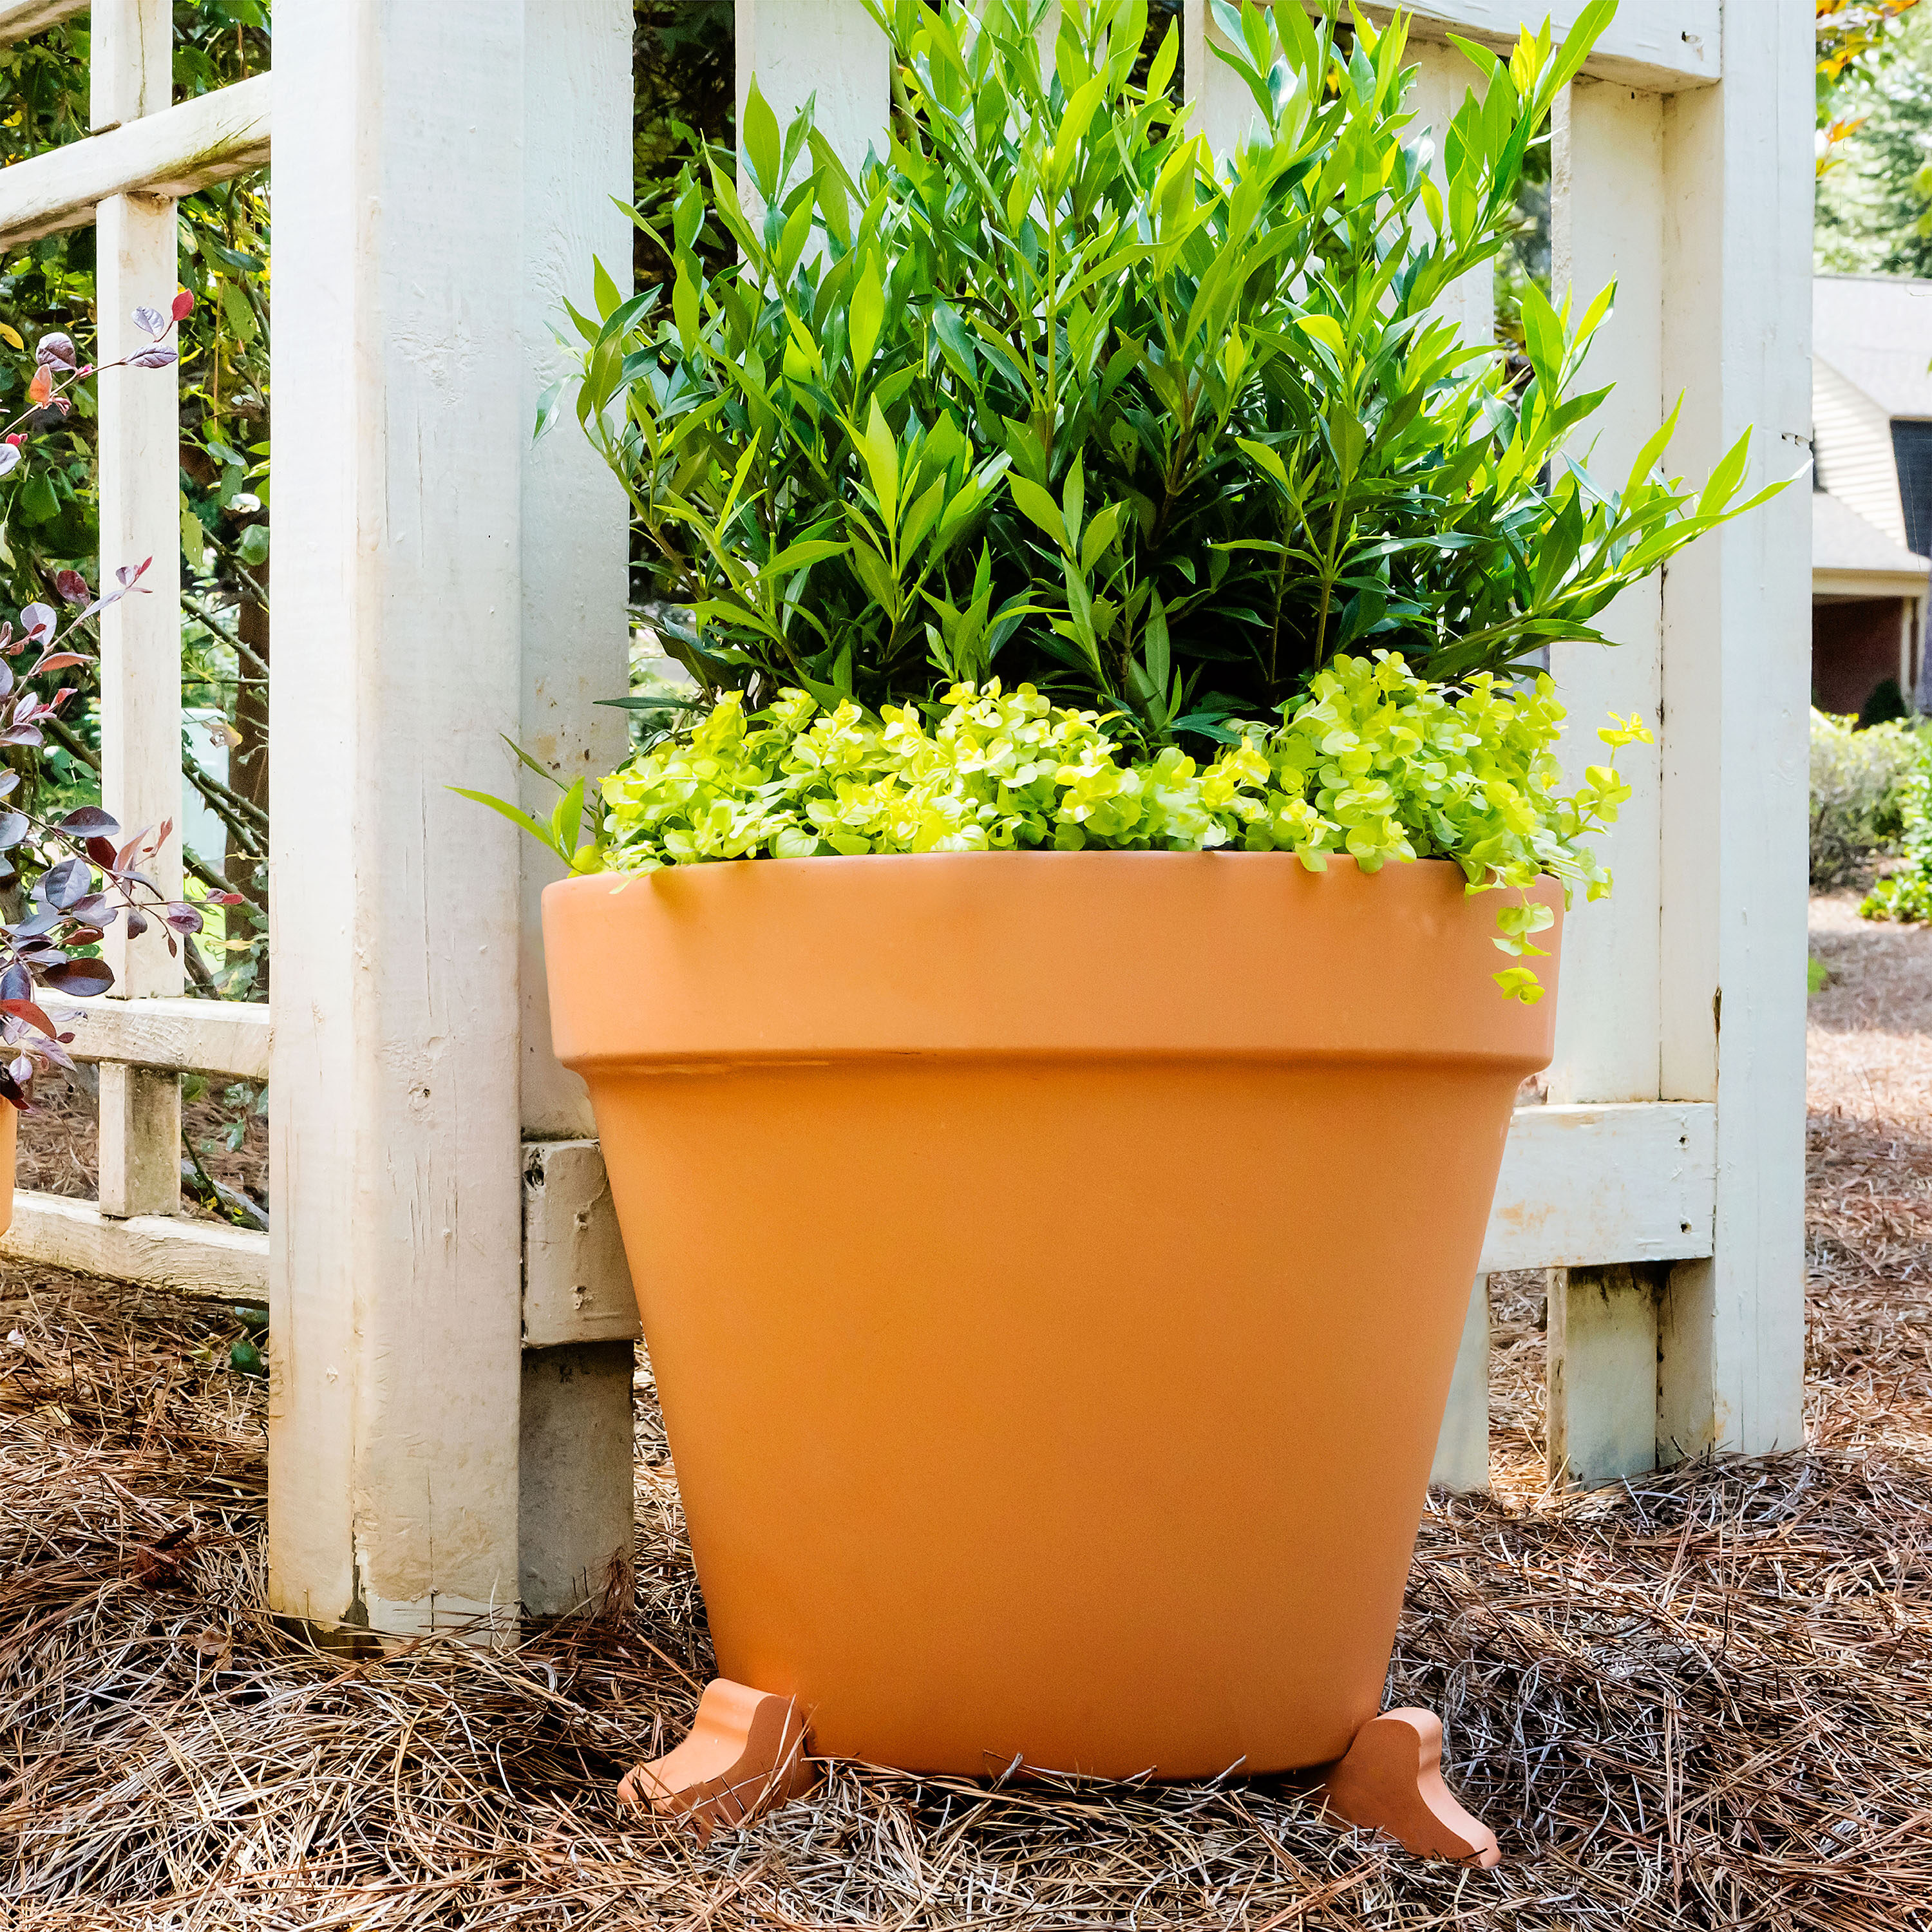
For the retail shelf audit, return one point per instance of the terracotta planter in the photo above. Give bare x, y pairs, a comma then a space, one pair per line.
1053, 1266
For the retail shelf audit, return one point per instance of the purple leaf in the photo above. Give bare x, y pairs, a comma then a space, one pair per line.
137, 923
13, 829
26, 1009
91, 821
184, 306
55, 352
21, 734
15, 983
152, 320
156, 356
73, 587
60, 885
129, 574
38, 621
182, 918
21, 1070
10, 457
58, 660
101, 851
80, 979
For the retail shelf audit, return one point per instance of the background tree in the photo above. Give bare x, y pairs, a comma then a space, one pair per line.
1874, 202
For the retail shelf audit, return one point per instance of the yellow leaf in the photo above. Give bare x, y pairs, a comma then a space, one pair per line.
10, 337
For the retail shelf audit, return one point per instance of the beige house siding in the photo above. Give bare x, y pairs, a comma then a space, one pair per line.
1852, 441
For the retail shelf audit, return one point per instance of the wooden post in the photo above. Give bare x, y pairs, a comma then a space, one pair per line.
1737, 283
395, 1131
1444, 76
829, 50
575, 1509
1462, 1450
1600, 1373
1223, 107
140, 636
1606, 226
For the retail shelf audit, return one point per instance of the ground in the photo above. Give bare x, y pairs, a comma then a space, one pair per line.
1701, 1700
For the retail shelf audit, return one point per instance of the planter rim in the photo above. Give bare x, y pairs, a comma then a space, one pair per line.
1127, 954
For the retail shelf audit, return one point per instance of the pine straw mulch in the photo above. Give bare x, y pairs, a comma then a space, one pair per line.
1702, 1699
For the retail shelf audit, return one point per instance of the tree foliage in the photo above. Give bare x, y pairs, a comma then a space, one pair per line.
1874, 202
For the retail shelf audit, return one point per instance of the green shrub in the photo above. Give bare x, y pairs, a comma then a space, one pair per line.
1856, 777
1043, 394
1376, 766
1906, 893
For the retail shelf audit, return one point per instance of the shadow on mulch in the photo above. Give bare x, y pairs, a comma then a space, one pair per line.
1699, 1699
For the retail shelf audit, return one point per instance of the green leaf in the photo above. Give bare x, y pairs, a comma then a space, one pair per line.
867, 316
762, 146
542, 833
603, 289
1038, 504
1099, 536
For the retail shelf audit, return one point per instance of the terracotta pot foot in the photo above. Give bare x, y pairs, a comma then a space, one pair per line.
1391, 1780
745, 1755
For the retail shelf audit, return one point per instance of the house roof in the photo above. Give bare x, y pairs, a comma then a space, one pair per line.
1877, 332
1843, 542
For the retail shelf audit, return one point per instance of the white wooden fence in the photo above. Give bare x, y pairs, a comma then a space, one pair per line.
449, 1424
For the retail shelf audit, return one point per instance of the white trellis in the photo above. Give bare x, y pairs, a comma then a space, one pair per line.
451, 1320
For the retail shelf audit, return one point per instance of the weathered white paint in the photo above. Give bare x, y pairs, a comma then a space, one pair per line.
1607, 210
1462, 1450
576, 1283
20, 18
576, 520
1737, 314
172, 153
1444, 77
1224, 108
1662, 45
229, 1037
140, 635
202, 1259
129, 55
831, 52
396, 1193
1658, 44
1609, 1183
1601, 1374
576, 1514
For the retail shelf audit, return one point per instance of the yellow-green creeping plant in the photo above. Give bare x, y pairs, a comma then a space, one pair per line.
1375, 764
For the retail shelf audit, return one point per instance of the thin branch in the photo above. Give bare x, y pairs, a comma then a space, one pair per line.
209, 616
219, 795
